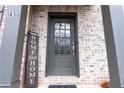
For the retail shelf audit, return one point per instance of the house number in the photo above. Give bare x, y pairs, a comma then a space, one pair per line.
13, 14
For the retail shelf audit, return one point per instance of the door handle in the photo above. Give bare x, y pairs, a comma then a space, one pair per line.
73, 48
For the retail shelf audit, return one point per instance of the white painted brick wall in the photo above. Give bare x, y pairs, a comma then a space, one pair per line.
92, 49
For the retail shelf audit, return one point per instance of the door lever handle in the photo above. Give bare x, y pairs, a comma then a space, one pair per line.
73, 48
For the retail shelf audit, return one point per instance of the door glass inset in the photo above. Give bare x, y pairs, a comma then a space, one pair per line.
67, 33
62, 38
57, 26
67, 26
56, 33
62, 33
62, 25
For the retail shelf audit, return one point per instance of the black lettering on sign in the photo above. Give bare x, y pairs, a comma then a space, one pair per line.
32, 61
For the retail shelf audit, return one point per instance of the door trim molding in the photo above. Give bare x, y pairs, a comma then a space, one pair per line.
72, 15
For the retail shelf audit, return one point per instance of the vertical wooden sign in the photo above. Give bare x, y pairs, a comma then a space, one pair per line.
32, 61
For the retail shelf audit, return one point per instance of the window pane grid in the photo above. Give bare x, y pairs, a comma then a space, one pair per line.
62, 38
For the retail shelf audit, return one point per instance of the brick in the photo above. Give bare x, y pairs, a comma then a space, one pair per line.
92, 49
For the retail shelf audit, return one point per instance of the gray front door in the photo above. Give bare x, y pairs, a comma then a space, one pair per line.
61, 47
